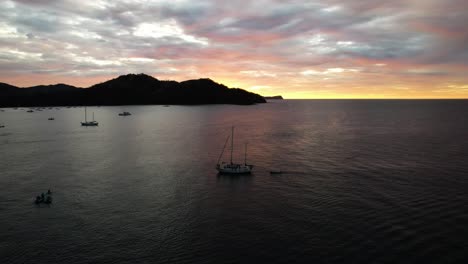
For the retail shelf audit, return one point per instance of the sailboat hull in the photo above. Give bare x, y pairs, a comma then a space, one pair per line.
90, 123
229, 168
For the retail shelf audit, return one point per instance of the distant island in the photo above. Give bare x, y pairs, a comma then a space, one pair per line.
130, 89
276, 97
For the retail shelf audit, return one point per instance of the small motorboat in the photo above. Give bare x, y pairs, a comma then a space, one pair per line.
51, 118
124, 114
48, 200
44, 198
30, 111
276, 172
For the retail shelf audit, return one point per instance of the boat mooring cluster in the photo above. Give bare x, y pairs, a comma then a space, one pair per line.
44, 198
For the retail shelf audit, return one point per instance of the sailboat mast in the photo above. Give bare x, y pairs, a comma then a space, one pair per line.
93, 116
221, 155
232, 142
85, 115
245, 154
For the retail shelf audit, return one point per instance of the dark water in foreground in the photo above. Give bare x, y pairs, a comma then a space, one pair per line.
365, 182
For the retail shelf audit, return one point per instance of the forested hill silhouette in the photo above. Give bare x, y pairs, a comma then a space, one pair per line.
130, 89
276, 97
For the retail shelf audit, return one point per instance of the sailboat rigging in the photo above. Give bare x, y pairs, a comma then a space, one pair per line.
89, 123
233, 168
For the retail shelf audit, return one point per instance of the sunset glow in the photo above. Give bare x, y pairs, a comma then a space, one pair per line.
298, 49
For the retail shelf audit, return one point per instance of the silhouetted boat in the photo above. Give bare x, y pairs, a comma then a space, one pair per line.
124, 114
47, 199
50, 118
276, 172
30, 111
89, 123
233, 168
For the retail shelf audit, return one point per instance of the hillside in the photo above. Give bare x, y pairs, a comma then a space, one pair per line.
131, 89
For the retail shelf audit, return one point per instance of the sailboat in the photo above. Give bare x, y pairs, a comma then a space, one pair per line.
89, 123
233, 168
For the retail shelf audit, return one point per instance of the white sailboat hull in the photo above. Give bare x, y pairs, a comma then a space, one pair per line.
228, 168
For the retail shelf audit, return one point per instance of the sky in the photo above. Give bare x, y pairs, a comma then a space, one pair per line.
298, 49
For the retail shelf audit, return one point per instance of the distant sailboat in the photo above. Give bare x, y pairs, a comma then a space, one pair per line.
89, 123
233, 168
124, 114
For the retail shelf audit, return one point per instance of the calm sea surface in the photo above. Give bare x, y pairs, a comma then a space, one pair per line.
365, 181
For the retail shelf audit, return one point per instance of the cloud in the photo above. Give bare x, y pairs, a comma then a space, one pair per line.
273, 42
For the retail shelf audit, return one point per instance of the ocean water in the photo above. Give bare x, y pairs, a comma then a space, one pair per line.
365, 181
